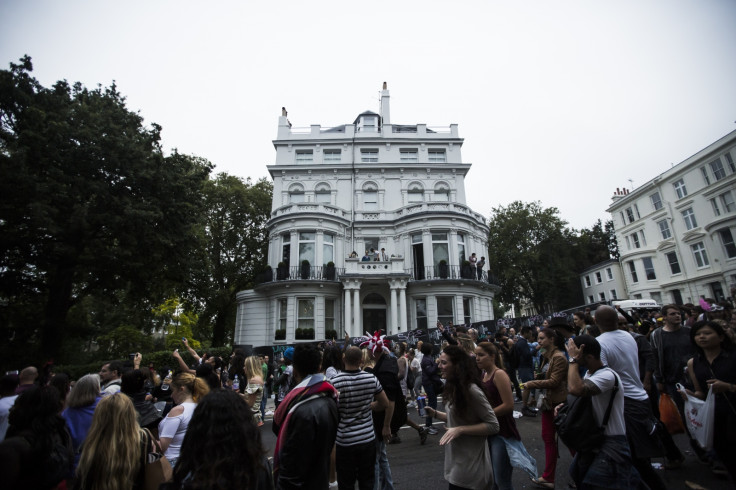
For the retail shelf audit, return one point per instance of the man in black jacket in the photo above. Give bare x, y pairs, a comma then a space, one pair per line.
306, 435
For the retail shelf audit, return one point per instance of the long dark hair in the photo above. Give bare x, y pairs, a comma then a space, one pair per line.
464, 373
35, 415
726, 343
332, 357
222, 448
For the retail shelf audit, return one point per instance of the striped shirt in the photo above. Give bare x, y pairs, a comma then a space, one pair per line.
357, 390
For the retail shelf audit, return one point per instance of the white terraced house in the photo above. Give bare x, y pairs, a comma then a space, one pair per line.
369, 185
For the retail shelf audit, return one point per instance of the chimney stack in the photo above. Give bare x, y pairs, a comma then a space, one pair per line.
385, 109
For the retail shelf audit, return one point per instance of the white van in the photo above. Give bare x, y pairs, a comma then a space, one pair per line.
629, 305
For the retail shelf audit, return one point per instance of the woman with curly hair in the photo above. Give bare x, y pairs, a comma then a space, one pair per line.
254, 389
470, 420
186, 390
112, 453
332, 363
37, 452
222, 448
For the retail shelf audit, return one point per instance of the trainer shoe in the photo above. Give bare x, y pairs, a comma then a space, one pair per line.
528, 412
432, 431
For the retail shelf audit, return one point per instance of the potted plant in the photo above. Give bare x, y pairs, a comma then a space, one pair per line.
444, 269
306, 269
282, 271
330, 334
280, 334
329, 271
466, 271
268, 274
299, 333
308, 333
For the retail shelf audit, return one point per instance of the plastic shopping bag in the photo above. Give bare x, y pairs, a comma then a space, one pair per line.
519, 456
700, 417
669, 415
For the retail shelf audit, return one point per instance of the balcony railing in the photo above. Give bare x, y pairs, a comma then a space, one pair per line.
451, 272
302, 273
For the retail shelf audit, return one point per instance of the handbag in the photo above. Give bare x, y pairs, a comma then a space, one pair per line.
157, 469
576, 425
700, 417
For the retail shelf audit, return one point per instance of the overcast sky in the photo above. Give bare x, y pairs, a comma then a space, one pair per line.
558, 101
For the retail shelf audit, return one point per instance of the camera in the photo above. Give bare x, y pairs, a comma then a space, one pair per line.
132, 355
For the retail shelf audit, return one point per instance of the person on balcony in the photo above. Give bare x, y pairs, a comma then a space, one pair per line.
366, 257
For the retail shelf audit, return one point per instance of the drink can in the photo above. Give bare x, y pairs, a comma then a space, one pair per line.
421, 403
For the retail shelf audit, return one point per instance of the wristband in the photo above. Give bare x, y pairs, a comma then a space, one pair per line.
573, 361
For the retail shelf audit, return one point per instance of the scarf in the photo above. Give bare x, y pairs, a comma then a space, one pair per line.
316, 386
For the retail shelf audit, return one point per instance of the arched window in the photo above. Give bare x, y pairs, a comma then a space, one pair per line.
322, 193
296, 193
415, 193
370, 196
441, 192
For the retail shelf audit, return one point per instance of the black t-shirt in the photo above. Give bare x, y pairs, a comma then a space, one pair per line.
677, 350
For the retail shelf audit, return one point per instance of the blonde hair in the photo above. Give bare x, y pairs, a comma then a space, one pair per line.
366, 361
111, 452
197, 387
252, 368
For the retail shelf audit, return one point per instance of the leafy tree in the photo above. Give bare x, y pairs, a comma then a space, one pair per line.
90, 204
530, 255
124, 340
233, 248
177, 322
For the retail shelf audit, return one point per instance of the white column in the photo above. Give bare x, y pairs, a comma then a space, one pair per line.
393, 325
358, 313
402, 310
348, 314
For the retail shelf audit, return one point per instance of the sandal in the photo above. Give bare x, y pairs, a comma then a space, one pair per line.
543, 483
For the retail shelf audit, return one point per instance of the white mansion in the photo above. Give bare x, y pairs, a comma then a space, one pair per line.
676, 232
375, 185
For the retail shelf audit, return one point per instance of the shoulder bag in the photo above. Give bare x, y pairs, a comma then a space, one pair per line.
576, 425
157, 469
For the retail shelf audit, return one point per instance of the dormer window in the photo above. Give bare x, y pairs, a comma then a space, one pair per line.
368, 124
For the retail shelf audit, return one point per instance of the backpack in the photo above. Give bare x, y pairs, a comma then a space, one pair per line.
576, 425
410, 379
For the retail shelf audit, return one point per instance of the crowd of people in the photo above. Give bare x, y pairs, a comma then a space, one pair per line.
337, 407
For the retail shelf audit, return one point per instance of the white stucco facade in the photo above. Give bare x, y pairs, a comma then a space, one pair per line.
603, 282
369, 184
676, 232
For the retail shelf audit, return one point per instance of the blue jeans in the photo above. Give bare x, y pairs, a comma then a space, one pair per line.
502, 468
383, 480
431, 401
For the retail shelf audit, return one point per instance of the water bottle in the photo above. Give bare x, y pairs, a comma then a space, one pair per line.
421, 403
236, 383
167, 382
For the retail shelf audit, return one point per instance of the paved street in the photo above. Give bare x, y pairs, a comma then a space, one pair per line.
415, 466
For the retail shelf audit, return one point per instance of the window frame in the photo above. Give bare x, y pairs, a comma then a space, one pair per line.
656, 204
664, 229
632, 271
727, 241
435, 158
673, 263
442, 316
369, 155
332, 152
688, 216
716, 166
701, 255
302, 153
680, 188
649, 271
408, 155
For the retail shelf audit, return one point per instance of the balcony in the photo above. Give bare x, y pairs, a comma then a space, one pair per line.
451, 272
300, 273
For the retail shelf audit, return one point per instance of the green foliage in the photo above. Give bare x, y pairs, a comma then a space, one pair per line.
537, 258
177, 323
280, 334
122, 341
90, 206
330, 334
232, 249
304, 334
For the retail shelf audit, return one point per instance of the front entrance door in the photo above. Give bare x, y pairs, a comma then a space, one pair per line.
374, 319
717, 291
